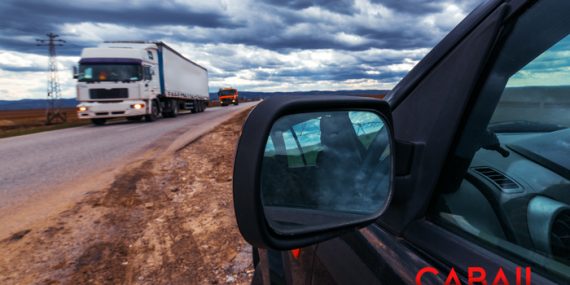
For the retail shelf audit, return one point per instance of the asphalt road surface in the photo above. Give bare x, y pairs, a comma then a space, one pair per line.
32, 164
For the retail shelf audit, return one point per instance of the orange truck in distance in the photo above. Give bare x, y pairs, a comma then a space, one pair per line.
228, 96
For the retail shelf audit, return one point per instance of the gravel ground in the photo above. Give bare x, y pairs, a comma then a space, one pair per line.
165, 220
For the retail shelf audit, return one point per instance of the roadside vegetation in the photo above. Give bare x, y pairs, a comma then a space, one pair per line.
23, 122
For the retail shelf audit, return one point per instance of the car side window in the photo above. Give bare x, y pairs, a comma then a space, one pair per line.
514, 197
147, 74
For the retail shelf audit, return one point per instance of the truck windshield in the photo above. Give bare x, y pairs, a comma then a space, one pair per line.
109, 72
227, 92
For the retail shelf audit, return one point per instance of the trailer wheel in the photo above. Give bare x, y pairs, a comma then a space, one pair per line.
154, 113
98, 122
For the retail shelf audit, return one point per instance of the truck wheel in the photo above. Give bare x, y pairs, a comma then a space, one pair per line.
153, 113
98, 122
236, 103
171, 111
195, 107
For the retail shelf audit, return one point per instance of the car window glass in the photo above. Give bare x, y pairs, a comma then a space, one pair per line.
515, 195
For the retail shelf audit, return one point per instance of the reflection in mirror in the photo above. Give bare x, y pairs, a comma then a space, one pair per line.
324, 169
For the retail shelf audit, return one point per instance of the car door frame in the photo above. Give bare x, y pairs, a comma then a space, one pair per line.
406, 218
403, 236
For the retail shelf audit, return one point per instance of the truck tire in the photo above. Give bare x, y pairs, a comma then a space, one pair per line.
154, 113
195, 107
171, 111
98, 122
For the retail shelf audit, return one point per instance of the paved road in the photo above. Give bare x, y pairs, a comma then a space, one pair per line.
32, 164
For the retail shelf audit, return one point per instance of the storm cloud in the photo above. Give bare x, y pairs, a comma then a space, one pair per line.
264, 45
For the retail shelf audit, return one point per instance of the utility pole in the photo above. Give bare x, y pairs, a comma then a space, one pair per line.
53, 108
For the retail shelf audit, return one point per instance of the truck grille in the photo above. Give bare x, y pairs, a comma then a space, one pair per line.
114, 93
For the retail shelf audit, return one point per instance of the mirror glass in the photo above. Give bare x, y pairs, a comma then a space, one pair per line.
325, 169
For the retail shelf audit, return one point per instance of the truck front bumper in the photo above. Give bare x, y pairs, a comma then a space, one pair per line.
95, 110
230, 100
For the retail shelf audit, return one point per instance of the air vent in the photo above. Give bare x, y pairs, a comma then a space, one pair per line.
109, 93
560, 236
499, 179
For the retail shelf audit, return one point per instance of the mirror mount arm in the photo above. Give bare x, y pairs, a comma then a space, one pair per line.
404, 154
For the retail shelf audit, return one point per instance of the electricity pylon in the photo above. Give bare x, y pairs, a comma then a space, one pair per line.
53, 108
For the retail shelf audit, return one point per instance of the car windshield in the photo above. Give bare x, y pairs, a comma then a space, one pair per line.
109, 72
227, 92
536, 98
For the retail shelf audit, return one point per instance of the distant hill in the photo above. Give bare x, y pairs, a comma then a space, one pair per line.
28, 104
257, 95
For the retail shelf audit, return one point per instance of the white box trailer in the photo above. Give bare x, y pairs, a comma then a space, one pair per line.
138, 80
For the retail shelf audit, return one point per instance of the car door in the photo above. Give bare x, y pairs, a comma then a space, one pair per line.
439, 219
504, 190
447, 214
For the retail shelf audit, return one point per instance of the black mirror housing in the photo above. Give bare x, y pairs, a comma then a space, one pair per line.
248, 204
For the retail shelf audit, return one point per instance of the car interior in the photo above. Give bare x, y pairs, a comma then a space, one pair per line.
515, 193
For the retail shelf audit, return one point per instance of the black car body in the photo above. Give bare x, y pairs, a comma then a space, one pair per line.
479, 177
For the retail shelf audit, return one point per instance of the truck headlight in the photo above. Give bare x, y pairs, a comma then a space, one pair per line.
137, 106
81, 109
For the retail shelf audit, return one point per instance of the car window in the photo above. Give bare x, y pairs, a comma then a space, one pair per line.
147, 74
515, 194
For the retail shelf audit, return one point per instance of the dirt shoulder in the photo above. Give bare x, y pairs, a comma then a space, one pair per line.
165, 220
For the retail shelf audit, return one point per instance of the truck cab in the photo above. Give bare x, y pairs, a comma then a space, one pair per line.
228, 96
116, 80
138, 80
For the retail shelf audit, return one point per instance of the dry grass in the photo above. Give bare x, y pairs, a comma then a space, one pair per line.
22, 122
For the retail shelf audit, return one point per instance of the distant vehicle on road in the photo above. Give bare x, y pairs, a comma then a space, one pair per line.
138, 80
228, 96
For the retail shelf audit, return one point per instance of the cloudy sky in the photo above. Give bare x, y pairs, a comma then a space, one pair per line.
270, 45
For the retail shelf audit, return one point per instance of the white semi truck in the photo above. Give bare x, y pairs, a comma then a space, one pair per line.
138, 80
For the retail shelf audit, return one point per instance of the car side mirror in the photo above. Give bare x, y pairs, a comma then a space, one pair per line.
310, 168
75, 72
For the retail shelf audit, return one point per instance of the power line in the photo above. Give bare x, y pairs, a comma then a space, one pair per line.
53, 108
